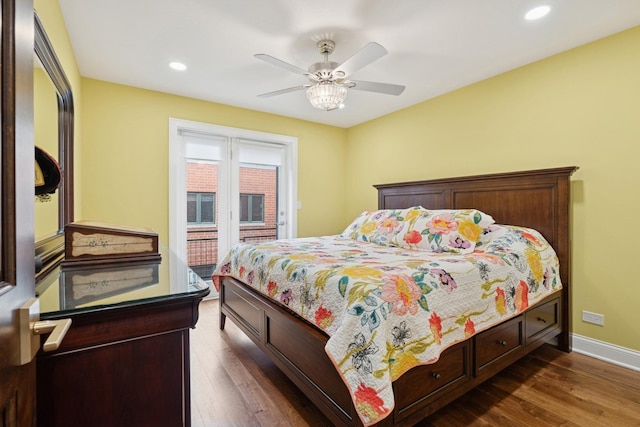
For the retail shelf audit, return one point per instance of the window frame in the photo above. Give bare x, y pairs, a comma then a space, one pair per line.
250, 208
198, 221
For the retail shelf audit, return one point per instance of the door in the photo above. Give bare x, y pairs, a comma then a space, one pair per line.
262, 209
236, 185
17, 271
207, 197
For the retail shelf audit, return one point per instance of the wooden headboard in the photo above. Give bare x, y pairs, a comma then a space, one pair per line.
537, 199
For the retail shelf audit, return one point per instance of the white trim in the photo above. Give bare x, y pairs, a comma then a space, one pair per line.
177, 185
611, 353
177, 178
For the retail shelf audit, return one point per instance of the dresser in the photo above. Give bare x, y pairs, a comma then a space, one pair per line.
125, 359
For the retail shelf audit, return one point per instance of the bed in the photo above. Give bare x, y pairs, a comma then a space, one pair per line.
536, 199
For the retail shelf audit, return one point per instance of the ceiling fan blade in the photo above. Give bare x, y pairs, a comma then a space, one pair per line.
385, 88
282, 91
361, 58
279, 63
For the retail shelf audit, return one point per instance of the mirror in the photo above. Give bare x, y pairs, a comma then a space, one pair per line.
53, 132
45, 133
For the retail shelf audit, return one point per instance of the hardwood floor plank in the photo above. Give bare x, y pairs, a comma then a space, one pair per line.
248, 389
455, 418
223, 402
525, 413
205, 388
554, 399
235, 384
588, 388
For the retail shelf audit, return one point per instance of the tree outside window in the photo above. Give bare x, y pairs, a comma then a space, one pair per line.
201, 208
251, 208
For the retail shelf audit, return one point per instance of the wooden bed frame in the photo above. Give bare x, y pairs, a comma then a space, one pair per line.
537, 199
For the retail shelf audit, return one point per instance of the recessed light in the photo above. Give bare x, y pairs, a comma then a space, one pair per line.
177, 66
537, 13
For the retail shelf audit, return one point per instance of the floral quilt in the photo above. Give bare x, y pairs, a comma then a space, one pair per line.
387, 309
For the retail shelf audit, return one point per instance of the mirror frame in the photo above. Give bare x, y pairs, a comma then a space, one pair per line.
49, 251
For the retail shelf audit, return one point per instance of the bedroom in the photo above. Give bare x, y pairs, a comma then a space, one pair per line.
576, 108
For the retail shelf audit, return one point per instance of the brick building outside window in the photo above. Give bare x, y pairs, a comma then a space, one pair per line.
257, 210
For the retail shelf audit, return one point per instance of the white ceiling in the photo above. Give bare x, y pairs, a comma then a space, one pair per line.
435, 46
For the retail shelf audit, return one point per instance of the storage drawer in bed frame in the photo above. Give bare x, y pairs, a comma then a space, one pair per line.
542, 320
451, 371
493, 346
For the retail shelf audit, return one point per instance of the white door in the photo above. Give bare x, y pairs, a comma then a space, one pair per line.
262, 188
228, 185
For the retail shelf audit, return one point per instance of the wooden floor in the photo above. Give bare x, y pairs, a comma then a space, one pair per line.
234, 384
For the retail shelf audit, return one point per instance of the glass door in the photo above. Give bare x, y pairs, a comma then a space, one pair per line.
207, 167
262, 214
226, 188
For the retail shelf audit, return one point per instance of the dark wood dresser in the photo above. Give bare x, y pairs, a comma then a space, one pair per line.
125, 359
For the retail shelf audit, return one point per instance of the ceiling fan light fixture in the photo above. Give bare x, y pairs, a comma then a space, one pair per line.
326, 95
328, 80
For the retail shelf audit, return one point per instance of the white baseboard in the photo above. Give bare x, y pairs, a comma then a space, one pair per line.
608, 352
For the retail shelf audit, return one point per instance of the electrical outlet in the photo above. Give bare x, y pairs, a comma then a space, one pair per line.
595, 318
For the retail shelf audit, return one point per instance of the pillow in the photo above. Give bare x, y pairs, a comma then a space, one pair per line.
380, 226
446, 230
501, 238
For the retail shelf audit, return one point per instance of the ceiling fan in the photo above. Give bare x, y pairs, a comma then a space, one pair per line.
328, 83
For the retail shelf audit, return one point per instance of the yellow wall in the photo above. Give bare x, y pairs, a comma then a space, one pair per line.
577, 108
126, 165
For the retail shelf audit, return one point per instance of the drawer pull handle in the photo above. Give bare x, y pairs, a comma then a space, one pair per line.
502, 343
436, 376
541, 319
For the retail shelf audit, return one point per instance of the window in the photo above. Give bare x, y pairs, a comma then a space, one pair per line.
201, 208
251, 208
